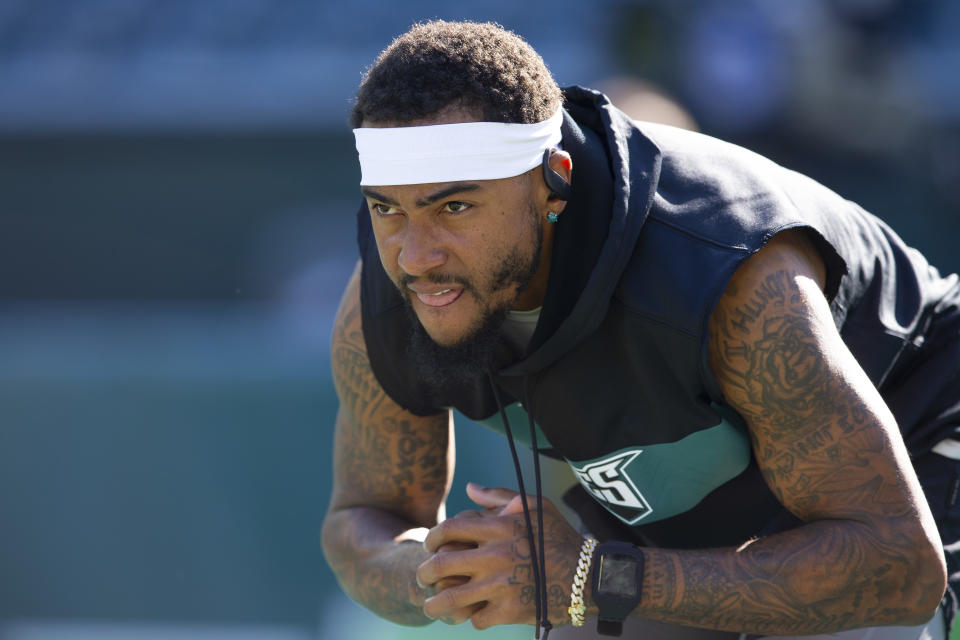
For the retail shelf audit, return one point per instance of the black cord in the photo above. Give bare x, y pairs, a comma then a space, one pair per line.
542, 595
523, 495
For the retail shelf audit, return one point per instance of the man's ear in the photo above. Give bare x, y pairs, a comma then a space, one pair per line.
557, 173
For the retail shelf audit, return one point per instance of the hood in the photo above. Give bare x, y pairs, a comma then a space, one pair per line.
615, 174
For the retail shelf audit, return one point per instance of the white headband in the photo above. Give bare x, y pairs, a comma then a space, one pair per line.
450, 152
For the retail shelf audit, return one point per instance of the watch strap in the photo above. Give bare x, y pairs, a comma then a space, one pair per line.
609, 627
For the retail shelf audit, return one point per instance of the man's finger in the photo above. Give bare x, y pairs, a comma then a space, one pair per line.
490, 498
450, 582
456, 546
471, 531
460, 616
451, 602
457, 616
515, 505
416, 595
507, 500
445, 565
419, 593
492, 615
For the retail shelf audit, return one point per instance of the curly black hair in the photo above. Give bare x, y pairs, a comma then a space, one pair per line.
473, 65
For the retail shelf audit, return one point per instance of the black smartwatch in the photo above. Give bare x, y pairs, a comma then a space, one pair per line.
617, 581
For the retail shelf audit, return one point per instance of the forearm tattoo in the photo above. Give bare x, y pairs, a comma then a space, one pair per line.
391, 475
820, 446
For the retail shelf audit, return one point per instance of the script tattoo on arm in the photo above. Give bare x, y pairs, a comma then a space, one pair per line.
392, 472
558, 539
830, 451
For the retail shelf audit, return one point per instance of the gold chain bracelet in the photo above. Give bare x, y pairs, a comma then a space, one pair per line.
577, 606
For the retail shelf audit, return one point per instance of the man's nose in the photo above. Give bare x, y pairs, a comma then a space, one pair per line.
421, 250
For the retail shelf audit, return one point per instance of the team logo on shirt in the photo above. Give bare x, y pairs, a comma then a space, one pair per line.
608, 482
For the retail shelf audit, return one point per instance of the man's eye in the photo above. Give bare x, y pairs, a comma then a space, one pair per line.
456, 207
383, 209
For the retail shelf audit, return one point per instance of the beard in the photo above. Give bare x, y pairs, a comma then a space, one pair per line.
447, 367
444, 368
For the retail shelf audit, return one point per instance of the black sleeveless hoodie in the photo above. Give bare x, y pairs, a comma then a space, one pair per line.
616, 376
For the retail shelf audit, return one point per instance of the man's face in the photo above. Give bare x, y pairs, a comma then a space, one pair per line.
460, 253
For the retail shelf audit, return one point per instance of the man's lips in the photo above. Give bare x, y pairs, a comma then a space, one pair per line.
439, 297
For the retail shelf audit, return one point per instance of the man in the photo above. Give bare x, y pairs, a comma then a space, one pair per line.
728, 355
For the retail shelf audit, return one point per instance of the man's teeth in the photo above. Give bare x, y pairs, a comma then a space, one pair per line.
439, 293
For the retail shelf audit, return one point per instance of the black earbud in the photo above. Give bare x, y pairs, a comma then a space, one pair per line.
559, 188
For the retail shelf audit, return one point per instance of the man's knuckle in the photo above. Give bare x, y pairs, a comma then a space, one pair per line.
443, 528
424, 576
440, 534
450, 598
440, 605
432, 609
439, 565
430, 542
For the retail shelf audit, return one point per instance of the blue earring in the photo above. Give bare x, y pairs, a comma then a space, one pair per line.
552, 217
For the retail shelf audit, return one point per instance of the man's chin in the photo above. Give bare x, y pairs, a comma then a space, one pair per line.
446, 339
446, 330
444, 358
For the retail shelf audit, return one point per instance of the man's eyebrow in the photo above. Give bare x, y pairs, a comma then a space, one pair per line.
462, 187
373, 195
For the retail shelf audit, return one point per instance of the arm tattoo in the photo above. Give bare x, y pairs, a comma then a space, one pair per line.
383, 455
824, 453
358, 390
391, 474
382, 580
558, 539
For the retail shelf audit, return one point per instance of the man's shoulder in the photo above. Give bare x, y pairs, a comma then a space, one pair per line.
348, 349
677, 270
348, 312
676, 143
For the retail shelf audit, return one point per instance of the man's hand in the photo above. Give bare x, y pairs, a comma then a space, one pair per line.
419, 593
494, 554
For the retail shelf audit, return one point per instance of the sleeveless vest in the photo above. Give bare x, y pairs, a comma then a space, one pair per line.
616, 377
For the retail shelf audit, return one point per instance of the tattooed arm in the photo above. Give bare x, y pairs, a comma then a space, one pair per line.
392, 471
868, 553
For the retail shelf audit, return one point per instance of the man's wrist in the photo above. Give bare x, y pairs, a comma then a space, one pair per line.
617, 584
591, 607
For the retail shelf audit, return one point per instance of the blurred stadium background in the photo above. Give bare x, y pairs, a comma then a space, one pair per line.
177, 191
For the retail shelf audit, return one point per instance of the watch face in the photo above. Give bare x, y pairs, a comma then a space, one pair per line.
618, 576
